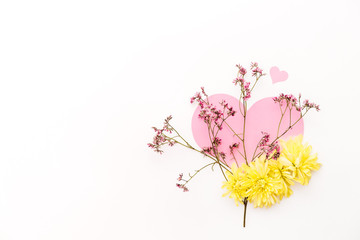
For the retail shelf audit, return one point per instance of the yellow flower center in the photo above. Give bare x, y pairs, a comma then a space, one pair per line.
261, 183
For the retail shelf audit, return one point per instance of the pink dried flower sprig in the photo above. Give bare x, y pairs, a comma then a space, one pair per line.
242, 70
180, 177
245, 87
264, 140
287, 99
160, 138
256, 71
271, 150
209, 113
168, 135
233, 147
290, 101
308, 105
214, 118
186, 181
182, 186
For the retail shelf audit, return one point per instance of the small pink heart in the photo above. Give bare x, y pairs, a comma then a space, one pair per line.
277, 75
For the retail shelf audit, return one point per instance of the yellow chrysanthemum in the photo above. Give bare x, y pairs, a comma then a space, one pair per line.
284, 175
233, 184
297, 156
258, 185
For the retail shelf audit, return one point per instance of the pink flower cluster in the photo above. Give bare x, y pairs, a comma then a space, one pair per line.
213, 151
309, 105
271, 150
256, 71
209, 113
234, 146
230, 110
264, 140
242, 71
160, 139
245, 87
182, 186
291, 101
213, 117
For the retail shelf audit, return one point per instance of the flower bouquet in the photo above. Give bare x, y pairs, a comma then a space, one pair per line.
259, 150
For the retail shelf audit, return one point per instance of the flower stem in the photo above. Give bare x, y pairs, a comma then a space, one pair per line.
245, 110
197, 171
245, 207
282, 115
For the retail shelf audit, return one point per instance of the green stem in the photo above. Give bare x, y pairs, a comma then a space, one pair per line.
290, 116
282, 115
179, 135
197, 171
209, 156
257, 146
257, 78
233, 131
245, 110
187, 144
245, 207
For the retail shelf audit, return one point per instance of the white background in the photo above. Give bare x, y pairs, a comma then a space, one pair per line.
82, 82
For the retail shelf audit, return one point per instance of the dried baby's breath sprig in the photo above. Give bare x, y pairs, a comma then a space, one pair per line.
168, 135
161, 138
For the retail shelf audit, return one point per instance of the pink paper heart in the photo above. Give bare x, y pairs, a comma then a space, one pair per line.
264, 115
277, 75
